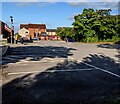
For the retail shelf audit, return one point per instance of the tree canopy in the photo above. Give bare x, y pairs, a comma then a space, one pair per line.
93, 26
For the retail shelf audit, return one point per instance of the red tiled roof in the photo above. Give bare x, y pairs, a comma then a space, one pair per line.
23, 25
41, 26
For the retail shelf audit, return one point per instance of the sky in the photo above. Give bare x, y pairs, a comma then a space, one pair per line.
53, 14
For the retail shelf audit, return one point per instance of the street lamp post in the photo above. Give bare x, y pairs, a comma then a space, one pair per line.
11, 27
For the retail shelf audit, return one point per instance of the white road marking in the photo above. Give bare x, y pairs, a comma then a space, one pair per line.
8, 58
51, 71
106, 71
14, 56
5, 50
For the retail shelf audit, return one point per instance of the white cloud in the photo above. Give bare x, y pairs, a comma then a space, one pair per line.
24, 3
30, 1
40, 4
91, 0
20, 0
72, 16
60, 1
95, 5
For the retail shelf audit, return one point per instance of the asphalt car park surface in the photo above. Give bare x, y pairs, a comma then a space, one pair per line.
59, 72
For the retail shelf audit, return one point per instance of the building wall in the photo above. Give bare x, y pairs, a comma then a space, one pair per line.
43, 30
23, 32
5, 30
51, 33
36, 30
31, 32
2, 27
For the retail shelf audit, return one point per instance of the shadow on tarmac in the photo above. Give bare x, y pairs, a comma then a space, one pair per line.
35, 53
62, 87
111, 46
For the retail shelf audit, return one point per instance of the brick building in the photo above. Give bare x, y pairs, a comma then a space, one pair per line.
5, 31
52, 34
34, 29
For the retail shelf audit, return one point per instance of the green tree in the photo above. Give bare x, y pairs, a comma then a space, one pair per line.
83, 23
64, 32
96, 25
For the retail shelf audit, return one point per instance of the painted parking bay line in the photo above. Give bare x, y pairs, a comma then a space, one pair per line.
51, 71
106, 71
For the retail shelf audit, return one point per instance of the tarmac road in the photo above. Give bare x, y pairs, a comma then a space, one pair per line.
59, 72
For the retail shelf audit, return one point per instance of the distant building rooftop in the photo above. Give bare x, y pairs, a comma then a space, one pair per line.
41, 26
63, 27
51, 30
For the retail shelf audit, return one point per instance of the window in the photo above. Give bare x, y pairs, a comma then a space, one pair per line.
34, 34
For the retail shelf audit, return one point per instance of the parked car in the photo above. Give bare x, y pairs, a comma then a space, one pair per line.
35, 39
25, 40
69, 39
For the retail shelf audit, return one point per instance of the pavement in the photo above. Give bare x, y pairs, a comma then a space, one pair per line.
3, 51
54, 72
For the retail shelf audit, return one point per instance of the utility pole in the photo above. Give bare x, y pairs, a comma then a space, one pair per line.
11, 27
